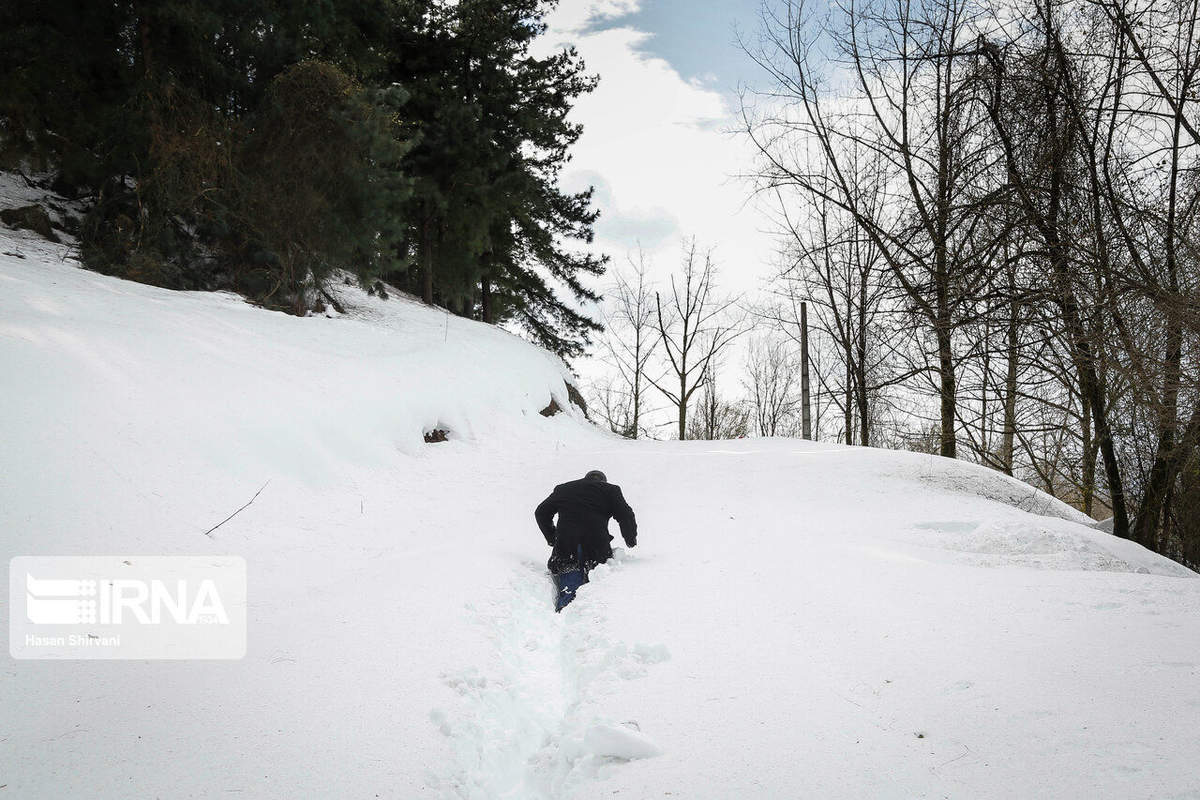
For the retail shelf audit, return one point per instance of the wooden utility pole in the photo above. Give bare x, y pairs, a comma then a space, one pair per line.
806, 417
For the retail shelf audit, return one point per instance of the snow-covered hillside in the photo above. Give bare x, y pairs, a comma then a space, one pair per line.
798, 620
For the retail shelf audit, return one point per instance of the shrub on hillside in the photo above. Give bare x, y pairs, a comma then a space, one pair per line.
319, 185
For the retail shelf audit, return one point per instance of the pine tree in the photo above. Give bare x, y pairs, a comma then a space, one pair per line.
59, 73
321, 183
197, 128
491, 227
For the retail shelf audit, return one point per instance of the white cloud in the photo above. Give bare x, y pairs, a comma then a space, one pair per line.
657, 147
575, 15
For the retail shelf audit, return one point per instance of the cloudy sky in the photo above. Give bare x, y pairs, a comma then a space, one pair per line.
657, 143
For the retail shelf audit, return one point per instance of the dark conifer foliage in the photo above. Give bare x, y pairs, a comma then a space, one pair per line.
492, 229
261, 145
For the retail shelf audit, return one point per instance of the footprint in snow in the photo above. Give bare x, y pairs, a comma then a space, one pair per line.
529, 723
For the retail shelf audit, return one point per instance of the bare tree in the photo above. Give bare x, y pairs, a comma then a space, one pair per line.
1152, 197
613, 405
1025, 174
835, 268
914, 109
715, 418
1040, 141
1090, 105
632, 337
772, 385
996, 361
695, 326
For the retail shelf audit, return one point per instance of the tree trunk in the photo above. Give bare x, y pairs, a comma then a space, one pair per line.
637, 406
143, 28
682, 408
1088, 490
485, 301
805, 414
427, 259
1008, 437
637, 381
1151, 511
848, 405
1092, 389
946, 392
1158, 483
860, 370
942, 285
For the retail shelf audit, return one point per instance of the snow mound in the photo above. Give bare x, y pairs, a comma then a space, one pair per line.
623, 742
975, 481
1044, 544
204, 384
17, 191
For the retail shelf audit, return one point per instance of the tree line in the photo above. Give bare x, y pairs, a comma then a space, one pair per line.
264, 146
1007, 195
989, 210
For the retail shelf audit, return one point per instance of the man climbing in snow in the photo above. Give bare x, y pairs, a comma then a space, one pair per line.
581, 539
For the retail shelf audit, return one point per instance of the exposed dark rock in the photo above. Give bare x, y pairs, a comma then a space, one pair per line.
32, 218
573, 397
64, 186
377, 289
70, 223
436, 435
576, 399
333, 302
255, 282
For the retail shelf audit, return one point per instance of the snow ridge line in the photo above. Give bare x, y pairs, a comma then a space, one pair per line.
531, 726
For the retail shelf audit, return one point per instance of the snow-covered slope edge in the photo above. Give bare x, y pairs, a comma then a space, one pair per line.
204, 380
205, 387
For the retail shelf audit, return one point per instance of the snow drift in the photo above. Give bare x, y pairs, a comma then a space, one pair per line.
798, 619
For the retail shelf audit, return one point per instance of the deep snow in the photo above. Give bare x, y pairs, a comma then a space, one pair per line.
798, 620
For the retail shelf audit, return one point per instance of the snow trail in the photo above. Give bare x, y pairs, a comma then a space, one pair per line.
532, 725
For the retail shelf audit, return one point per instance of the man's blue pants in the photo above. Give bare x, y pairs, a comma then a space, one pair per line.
568, 582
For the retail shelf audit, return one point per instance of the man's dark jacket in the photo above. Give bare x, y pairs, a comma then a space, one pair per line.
584, 508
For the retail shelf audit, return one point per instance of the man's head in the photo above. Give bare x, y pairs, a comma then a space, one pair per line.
595, 475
